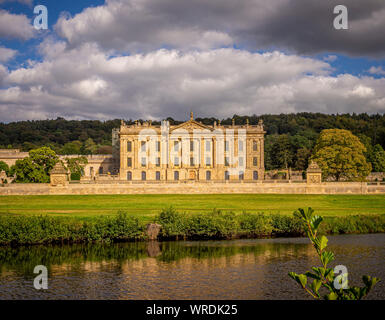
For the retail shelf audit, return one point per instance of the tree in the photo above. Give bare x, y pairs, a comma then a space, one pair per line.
282, 155
36, 167
90, 147
377, 158
340, 154
27, 171
4, 167
76, 166
73, 147
302, 159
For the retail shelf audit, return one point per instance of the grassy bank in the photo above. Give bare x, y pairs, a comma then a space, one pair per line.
15, 230
87, 207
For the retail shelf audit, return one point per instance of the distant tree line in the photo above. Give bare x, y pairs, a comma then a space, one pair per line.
289, 142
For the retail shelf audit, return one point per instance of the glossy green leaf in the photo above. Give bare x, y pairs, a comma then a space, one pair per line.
331, 296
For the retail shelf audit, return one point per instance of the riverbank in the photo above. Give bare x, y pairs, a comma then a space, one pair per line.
27, 230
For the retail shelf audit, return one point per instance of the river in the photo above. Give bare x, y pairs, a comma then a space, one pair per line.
235, 269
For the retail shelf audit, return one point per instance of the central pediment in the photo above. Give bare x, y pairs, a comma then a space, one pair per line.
191, 125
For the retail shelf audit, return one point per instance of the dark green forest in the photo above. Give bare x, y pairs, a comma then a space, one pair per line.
289, 140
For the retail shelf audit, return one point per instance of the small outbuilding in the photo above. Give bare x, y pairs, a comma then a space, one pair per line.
313, 173
59, 175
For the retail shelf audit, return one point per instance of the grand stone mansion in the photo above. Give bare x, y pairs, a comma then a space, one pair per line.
190, 151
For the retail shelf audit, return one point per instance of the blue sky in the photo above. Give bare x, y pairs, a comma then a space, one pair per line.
153, 59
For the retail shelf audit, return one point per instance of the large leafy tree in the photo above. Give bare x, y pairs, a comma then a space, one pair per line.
4, 167
377, 158
340, 154
36, 167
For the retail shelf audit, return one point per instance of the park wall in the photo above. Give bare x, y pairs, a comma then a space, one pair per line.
195, 188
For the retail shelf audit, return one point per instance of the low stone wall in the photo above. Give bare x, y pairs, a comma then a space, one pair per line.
196, 188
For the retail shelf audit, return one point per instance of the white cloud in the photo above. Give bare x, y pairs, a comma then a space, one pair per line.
15, 26
86, 83
377, 70
330, 58
6, 54
302, 26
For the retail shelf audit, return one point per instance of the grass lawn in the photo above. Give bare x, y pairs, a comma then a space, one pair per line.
146, 206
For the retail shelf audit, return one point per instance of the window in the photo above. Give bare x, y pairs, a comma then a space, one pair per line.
176, 161
208, 146
255, 161
255, 145
100, 170
227, 145
191, 145
143, 146
240, 161
255, 175
143, 175
208, 175
129, 175
157, 175
208, 161
157, 146
192, 162
129, 162
241, 175
129, 146
240, 145
143, 161
227, 175
157, 163
176, 175
226, 161
176, 145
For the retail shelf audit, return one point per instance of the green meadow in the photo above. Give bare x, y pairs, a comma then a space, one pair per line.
147, 206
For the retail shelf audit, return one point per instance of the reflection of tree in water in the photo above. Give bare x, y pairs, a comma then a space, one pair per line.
22, 260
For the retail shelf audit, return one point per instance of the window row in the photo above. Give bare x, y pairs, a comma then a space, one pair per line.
177, 146
143, 161
241, 175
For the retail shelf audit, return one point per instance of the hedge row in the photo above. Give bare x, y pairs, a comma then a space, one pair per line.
213, 225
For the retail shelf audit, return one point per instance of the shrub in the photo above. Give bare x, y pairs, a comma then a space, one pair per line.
44, 229
287, 225
173, 224
255, 224
335, 285
213, 225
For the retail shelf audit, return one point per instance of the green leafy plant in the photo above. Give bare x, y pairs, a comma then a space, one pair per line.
324, 277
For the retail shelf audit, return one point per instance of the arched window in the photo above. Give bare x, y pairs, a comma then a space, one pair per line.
176, 175
157, 175
129, 175
241, 175
255, 175
227, 175
208, 175
143, 175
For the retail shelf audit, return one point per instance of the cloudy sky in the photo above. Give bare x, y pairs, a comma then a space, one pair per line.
152, 59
